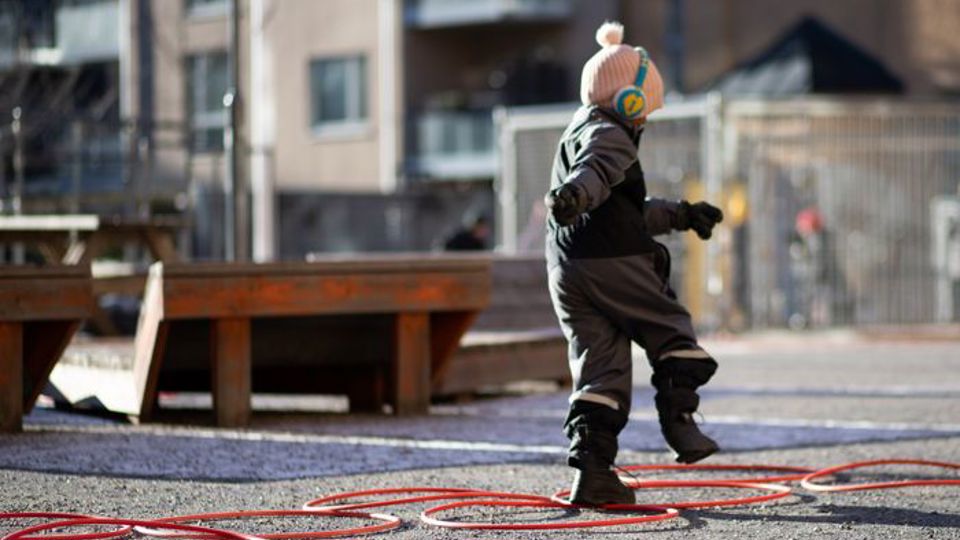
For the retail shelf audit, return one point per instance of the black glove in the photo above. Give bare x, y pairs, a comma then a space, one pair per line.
701, 217
565, 203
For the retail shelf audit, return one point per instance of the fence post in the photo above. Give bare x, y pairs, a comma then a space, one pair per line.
712, 148
76, 169
506, 182
19, 256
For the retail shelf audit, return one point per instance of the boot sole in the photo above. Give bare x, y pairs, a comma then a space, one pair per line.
697, 455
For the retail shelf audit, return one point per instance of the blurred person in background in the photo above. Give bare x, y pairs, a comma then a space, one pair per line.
608, 277
473, 236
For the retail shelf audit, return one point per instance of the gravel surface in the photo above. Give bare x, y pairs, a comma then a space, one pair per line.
777, 402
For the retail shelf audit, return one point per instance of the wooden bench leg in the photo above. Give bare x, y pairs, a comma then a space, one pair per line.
411, 364
231, 368
11, 377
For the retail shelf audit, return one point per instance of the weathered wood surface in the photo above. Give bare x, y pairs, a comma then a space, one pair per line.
373, 327
40, 310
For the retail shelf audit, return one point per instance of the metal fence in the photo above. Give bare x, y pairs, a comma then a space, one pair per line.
839, 211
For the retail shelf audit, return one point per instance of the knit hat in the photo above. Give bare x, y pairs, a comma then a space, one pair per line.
614, 66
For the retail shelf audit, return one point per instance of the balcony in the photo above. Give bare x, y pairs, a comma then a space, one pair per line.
426, 14
453, 145
69, 33
88, 31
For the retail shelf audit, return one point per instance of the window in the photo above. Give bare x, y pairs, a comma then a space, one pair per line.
206, 85
207, 8
338, 93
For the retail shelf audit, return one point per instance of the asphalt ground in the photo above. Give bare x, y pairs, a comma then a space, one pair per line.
812, 400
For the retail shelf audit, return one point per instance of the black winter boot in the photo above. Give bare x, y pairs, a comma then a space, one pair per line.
676, 401
593, 448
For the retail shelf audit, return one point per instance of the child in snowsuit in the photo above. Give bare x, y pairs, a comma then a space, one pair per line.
608, 276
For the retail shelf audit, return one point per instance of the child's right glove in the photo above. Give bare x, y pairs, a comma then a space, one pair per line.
565, 203
701, 217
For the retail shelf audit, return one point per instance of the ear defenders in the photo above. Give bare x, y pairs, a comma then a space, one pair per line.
630, 101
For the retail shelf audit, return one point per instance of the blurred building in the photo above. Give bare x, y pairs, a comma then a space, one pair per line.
367, 124
59, 61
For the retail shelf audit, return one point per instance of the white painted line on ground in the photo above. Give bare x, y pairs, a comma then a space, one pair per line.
827, 423
300, 438
708, 419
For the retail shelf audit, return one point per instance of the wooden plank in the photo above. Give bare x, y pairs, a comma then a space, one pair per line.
411, 364
231, 368
50, 222
352, 264
149, 345
446, 329
270, 295
161, 245
43, 272
11, 377
87, 249
43, 345
39, 299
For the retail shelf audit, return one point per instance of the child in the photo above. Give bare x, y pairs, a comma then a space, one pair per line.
608, 277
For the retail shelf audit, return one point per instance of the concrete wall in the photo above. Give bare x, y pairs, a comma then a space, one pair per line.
299, 31
295, 32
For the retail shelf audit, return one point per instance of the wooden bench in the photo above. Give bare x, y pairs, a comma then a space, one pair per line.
78, 239
40, 310
380, 329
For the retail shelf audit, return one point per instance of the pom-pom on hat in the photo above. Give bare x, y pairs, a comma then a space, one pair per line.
615, 66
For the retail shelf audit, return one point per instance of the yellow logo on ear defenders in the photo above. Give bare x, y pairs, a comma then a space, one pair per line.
633, 104
630, 101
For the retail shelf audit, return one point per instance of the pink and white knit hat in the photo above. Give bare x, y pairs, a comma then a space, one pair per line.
614, 66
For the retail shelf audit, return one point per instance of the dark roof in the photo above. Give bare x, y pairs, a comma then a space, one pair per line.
810, 58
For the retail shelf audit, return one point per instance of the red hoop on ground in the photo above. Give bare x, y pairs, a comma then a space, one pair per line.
442, 494
665, 513
389, 522
61, 515
779, 492
25, 533
798, 472
807, 482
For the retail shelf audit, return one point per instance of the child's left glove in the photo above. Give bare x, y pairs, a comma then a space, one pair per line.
566, 202
701, 217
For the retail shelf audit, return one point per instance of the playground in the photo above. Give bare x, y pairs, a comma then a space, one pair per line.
809, 400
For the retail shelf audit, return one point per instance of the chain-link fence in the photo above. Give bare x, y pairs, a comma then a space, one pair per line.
839, 211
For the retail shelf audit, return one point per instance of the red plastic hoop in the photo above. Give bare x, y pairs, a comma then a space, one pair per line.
25, 533
665, 513
797, 472
441, 494
388, 522
779, 492
807, 481
61, 515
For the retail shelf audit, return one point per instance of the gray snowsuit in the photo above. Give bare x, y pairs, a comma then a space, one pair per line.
608, 278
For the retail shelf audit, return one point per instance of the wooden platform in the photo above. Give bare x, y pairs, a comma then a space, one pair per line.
40, 310
378, 329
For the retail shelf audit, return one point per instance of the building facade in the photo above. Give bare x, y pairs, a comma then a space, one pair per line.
373, 119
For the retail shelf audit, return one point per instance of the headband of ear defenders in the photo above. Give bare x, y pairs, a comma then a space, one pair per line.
644, 65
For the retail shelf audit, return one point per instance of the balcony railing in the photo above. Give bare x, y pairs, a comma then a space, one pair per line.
447, 13
67, 33
453, 145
